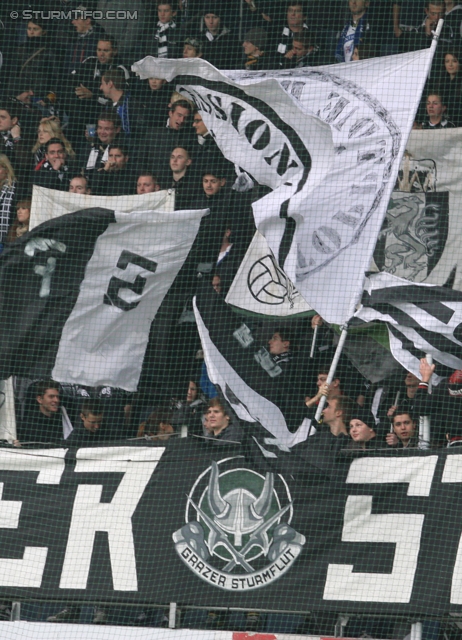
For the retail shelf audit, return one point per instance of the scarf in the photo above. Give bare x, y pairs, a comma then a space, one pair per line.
21, 229
47, 166
286, 39
162, 37
361, 27
6, 201
7, 141
251, 61
122, 111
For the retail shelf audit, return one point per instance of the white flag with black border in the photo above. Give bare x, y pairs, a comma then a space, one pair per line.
328, 141
258, 390
261, 286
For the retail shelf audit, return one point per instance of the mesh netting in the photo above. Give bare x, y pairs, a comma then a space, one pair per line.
230, 318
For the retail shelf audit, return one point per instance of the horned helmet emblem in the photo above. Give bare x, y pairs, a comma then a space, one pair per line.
239, 512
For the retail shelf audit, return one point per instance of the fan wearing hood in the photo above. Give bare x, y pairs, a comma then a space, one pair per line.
35, 64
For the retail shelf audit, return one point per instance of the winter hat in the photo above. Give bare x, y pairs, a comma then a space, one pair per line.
359, 413
455, 384
213, 7
257, 37
194, 42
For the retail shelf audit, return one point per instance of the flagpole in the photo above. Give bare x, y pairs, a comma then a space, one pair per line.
343, 335
395, 404
436, 35
424, 422
333, 367
313, 342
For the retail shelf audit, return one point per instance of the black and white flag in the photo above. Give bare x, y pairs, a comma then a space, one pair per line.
420, 238
328, 141
421, 319
256, 387
50, 203
268, 290
78, 293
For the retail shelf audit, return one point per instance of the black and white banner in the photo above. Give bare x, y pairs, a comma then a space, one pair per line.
257, 388
328, 141
50, 203
261, 286
420, 239
421, 319
78, 293
197, 523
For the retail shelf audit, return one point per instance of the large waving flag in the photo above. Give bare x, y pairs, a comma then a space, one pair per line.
328, 141
421, 319
78, 293
256, 124
258, 389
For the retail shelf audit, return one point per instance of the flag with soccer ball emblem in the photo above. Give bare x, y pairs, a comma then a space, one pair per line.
269, 291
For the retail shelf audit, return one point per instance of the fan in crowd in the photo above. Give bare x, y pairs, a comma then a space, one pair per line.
35, 63
7, 195
451, 85
362, 430
53, 172
147, 183
436, 112
116, 177
79, 184
74, 118
20, 225
192, 48
95, 153
48, 129
188, 413
404, 434
218, 423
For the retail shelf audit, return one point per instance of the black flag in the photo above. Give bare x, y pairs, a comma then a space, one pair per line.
40, 276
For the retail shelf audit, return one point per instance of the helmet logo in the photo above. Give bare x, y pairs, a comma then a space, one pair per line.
237, 534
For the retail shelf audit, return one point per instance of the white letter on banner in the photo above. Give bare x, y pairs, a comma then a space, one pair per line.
453, 473
28, 571
404, 529
90, 514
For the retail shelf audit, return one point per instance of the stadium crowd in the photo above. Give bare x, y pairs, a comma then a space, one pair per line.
73, 117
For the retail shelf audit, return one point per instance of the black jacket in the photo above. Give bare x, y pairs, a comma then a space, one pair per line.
48, 177
35, 68
88, 74
157, 146
37, 427
113, 183
155, 103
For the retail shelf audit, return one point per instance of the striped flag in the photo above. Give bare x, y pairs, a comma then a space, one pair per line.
421, 319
